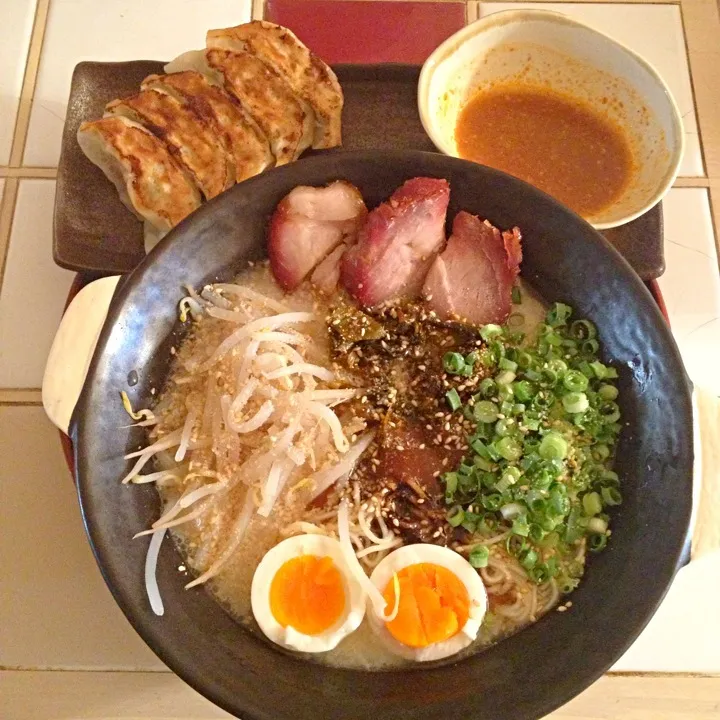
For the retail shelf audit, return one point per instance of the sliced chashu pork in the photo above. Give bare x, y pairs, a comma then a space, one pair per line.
308, 76
248, 145
286, 119
189, 136
308, 224
326, 276
149, 180
472, 279
398, 243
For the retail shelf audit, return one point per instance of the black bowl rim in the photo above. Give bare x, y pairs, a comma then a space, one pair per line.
142, 620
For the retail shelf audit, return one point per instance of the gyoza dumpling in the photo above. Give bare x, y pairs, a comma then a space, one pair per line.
150, 182
189, 136
248, 144
307, 74
287, 120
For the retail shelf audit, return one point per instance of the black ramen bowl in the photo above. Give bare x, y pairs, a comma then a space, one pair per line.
521, 678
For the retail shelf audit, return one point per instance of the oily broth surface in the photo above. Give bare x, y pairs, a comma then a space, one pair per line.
361, 650
551, 140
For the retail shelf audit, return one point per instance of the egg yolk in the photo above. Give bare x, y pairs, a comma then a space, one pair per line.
434, 605
308, 594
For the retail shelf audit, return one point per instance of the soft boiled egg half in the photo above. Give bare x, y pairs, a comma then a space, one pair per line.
304, 597
441, 607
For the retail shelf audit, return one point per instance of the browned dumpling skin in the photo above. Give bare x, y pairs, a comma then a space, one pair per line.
283, 117
189, 136
248, 144
149, 180
308, 76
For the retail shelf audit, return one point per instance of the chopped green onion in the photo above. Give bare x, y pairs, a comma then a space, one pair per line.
492, 502
479, 556
451, 482
453, 399
491, 331
505, 377
453, 362
575, 381
600, 453
505, 392
470, 521
483, 464
509, 448
590, 347
609, 411
516, 295
524, 359
487, 388
558, 314
597, 525
485, 411
575, 526
611, 496
608, 477
537, 534
504, 427
506, 364
559, 501
520, 526
511, 510
583, 330
523, 390
515, 544
456, 516
528, 558
549, 541
592, 503
599, 370
608, 392
575, 402
597, 542
480, 448
539, 574
553, 446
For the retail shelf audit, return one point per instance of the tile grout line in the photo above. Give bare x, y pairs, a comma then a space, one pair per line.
20, 396
32, 65
7, 210
258, 10
700, 20
22, 123
693, 94
37, 173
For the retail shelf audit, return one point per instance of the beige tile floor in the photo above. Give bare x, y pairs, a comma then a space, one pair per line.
67, 651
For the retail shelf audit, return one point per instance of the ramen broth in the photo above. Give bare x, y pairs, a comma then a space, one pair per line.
198, 541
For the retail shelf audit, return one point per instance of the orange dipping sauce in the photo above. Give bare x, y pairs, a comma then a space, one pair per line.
552, 141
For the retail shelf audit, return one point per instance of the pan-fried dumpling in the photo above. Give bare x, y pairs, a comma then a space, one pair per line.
248, 144
287, 120
189, 136
307, 74
150, 182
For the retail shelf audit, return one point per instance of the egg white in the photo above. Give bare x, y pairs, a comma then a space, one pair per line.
289, 637
465, 573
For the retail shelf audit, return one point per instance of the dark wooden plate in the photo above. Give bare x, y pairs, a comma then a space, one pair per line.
522, 678
93, 231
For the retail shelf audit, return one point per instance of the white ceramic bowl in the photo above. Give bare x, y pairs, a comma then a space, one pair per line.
550, 49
